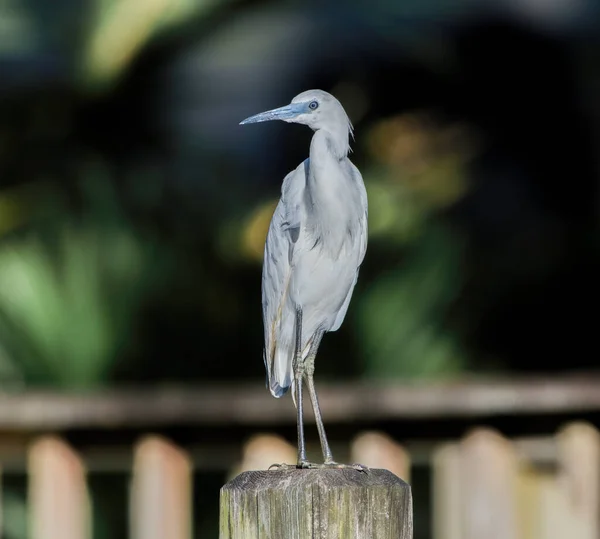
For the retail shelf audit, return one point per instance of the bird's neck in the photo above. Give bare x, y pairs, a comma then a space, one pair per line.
327, 192
334, 141
326, 178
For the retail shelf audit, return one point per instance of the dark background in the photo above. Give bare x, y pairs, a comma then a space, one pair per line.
133, 207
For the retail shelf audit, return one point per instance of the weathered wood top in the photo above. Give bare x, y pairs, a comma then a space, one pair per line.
251, 404
321, 504
259, 480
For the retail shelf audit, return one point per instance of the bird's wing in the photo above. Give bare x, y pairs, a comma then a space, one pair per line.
278, 313
362, 242
357, 177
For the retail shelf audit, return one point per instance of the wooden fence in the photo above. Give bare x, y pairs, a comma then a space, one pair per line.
483, 483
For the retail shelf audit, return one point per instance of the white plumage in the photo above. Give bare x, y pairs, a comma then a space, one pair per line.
317, 238
316, 242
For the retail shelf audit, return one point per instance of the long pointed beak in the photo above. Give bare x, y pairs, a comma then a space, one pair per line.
282, 113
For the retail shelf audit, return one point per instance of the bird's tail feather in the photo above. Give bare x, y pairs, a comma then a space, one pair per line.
280, 372
281, 375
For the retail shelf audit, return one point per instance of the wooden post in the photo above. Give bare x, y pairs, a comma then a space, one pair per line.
322, 504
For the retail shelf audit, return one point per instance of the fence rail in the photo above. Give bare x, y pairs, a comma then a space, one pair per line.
484, 484
219, 404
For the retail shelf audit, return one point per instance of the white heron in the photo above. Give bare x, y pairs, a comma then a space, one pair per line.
316, 243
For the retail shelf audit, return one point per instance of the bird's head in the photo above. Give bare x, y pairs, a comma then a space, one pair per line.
315, 108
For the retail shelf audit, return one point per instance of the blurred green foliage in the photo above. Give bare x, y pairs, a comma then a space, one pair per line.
77, 280
73, 284
143, 264
418, 167
69, 293
401, 316
14, 506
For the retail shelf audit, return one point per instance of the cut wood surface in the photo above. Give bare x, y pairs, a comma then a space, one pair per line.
320, 504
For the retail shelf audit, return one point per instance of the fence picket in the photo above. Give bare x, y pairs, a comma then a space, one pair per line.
59, 504
161, 491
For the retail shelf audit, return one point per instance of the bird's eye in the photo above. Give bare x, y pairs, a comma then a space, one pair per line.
313, 105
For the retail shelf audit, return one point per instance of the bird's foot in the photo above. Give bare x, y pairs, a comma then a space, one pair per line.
283, 466
332, 465
305, 465
337, 465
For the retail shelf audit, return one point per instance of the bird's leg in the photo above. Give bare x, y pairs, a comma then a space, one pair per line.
309, 372
309, 368
306, 368
298, 366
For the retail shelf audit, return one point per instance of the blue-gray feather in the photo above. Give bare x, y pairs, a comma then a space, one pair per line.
317, 238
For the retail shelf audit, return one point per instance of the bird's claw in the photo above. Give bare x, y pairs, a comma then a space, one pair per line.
358, 467
361, 468
282, 466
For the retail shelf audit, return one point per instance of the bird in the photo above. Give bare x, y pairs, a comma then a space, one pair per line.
315, 245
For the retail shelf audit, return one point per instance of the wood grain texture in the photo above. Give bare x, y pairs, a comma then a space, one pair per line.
316, 504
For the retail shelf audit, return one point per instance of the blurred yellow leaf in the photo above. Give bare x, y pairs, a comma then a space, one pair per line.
426, 157
255, 231
123, 27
